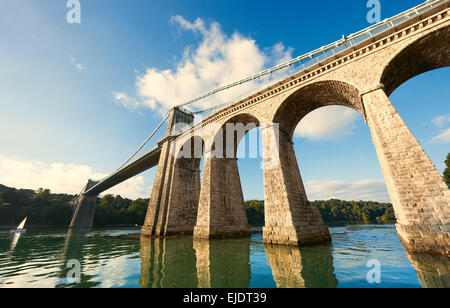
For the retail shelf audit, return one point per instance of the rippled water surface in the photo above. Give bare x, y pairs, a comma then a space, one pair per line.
107, 258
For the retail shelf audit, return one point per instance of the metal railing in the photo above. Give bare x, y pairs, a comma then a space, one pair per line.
330, 50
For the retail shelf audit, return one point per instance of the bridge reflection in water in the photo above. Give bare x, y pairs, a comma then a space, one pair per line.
177, 263
167, 263
223, 263
295, 267
433, 271
226, 263
183, 262
75, 248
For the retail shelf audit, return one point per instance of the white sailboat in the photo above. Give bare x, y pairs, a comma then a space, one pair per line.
20, 228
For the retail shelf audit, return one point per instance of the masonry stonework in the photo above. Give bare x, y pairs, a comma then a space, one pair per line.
174, 200
420, 197
361, 77
221, 210
289, 217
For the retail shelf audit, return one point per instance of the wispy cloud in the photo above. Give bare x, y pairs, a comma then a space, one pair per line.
62, 178
327, 123
366, 190
75, 63
443, 137
440, 121
217, 60
122, 99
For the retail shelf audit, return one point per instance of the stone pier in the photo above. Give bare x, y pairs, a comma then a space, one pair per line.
290, 219
420, 197
221, 207
174, 199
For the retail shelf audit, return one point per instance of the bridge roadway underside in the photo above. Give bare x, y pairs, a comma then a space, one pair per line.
145, 162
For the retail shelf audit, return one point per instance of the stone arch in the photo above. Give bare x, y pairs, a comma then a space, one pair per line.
313, 96
289, 216
227, 138
189, 152
422, 55
221, 211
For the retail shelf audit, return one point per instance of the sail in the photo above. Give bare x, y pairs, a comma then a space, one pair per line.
22, 224
14, 241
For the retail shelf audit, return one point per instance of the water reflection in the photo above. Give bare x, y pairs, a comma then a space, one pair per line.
74, 251
295, 267
167, 263
14, 241
433, 271
120, 258
223, 263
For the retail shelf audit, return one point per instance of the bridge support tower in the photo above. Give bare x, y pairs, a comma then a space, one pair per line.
84, 209
173, 202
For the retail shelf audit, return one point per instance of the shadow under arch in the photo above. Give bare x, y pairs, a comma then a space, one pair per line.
313, 96
221, 208
425, 54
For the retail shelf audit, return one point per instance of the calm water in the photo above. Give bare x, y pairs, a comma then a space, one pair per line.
107, 259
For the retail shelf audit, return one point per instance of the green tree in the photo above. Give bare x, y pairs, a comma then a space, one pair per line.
447, 171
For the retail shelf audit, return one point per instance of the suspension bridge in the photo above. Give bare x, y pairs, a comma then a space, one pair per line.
358, 71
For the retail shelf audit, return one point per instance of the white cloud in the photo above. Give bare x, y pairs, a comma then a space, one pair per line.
217, 60
62, 178
443, 137
79, 66
366, 190
128, 102
440, 121
327, 123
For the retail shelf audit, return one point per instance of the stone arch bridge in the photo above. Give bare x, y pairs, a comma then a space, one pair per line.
362, 78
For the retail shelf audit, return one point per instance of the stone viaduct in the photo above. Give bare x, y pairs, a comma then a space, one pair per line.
362, 78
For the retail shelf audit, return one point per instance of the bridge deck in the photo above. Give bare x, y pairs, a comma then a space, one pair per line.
144, 162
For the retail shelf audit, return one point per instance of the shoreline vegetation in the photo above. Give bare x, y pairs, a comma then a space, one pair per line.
334, 212
47, 210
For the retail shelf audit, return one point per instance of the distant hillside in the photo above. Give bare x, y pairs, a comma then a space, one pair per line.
4, 188
333, 211
46, 209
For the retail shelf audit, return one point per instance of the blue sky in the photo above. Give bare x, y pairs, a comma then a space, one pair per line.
77, 99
